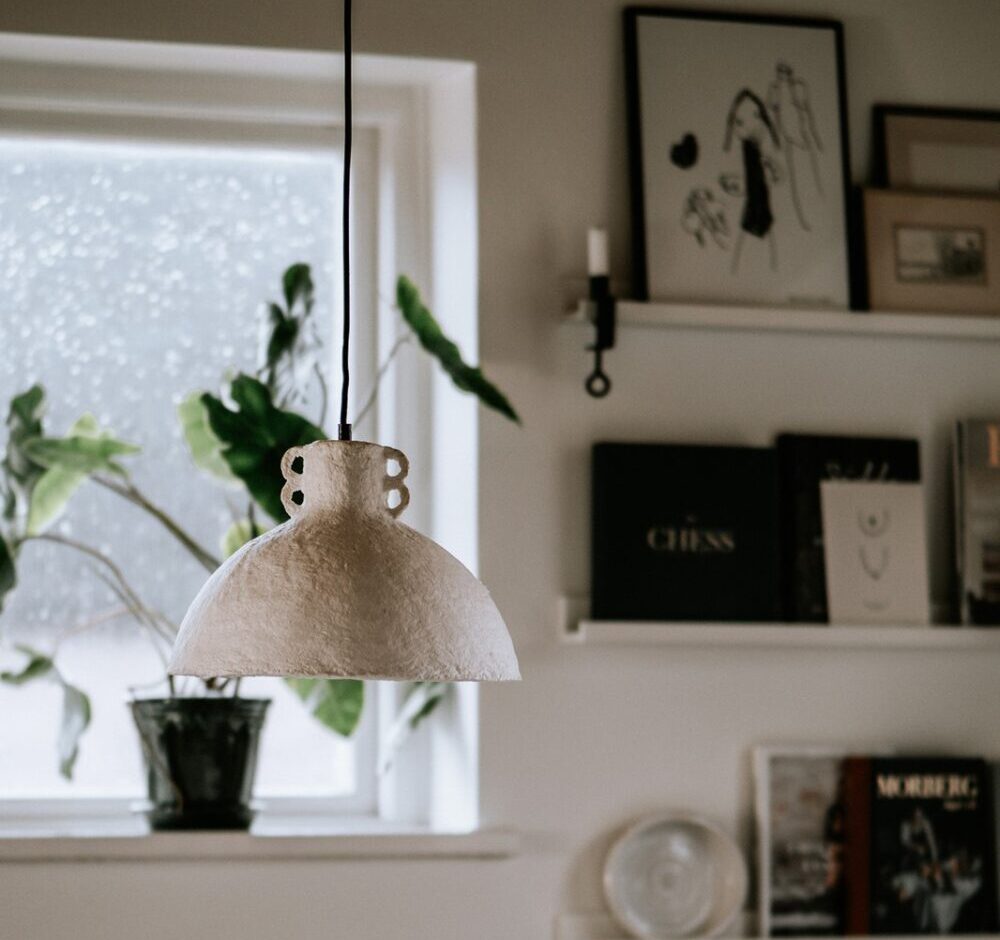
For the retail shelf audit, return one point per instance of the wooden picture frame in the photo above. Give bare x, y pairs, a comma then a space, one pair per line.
707, 227
943, 149
932, 253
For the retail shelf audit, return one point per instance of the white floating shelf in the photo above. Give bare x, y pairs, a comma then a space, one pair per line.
945, 326
576, 629
602, 927
785, 635
233, 846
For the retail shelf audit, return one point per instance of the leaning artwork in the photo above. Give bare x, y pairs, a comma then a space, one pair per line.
738, 159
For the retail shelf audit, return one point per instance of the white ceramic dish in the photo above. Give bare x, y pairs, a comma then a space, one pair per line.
675, 875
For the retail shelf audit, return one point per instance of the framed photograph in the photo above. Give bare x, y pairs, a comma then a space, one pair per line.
946, 149
932, 253
739, 162
800, 840
875, 551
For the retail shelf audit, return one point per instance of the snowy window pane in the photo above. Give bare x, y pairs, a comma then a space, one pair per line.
131, 277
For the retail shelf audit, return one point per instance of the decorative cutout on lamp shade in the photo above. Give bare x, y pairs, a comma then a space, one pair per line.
343, 588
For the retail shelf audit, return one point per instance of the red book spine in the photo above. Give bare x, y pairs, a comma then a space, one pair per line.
857, 845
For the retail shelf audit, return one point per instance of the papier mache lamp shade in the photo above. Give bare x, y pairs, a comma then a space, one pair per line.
343, 588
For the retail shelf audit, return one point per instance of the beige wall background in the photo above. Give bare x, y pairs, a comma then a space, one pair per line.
593, 736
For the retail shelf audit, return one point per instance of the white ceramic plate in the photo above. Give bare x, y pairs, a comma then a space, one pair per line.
675, 875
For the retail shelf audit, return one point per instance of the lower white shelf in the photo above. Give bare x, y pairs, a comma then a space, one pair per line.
576, 629
602, 927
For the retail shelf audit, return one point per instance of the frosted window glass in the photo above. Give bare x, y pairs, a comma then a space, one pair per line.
128, 278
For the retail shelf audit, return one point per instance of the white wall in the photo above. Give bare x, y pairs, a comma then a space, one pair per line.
591, 737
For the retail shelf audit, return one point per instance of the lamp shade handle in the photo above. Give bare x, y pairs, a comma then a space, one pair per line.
395, 481
293, 479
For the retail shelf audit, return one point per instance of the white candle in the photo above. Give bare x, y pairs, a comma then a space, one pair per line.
597, 252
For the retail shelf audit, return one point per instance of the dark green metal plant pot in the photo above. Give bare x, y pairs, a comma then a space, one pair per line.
201, 756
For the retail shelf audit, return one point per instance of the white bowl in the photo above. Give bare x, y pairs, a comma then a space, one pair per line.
675, 875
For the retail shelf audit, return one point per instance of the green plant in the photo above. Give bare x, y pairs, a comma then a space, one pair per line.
238, 438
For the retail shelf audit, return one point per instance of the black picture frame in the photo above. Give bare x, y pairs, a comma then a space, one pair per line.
883, 113
631, 18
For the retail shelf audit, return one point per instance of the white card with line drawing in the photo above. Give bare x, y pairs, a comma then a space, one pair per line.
875, 548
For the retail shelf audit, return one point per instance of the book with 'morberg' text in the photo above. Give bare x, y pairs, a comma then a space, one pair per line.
919, 850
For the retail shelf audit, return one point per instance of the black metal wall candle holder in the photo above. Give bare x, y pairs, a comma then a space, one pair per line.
598, 384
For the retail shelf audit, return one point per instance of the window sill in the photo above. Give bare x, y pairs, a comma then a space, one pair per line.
267, 841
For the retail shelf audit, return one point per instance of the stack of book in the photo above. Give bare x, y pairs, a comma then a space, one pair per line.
683, 532
856, 846
815, 529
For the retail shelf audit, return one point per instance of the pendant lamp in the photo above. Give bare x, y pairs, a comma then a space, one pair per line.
343, 588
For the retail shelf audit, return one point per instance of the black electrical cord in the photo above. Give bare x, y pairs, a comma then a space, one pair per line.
344, 428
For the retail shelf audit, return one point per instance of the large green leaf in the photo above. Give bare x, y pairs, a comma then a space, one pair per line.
297, 285
76, 715
24, 423
37, 666
420, 701
334, 703
57, 485
255, 438
53, 491
80, 453
20, 472
8, 570
238, 534
205, 448
292, 346
428, 331
280, 341
76, 710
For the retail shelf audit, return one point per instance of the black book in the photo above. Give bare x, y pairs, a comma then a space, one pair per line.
919, 854
804, 461
684, 533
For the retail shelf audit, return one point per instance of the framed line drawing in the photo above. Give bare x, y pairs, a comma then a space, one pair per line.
739, 158
945, 149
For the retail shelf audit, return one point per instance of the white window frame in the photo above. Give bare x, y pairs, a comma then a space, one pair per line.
415, 126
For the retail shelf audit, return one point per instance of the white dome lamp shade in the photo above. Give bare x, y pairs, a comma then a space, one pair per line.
343, 589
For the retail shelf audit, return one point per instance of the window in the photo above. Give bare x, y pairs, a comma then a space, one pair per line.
134, 275
146, 213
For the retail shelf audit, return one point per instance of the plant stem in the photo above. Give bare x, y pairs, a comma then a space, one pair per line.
118, 583
86, 549
156, 624
143, 616
324, 393
90, 623
373, 394
130, 492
